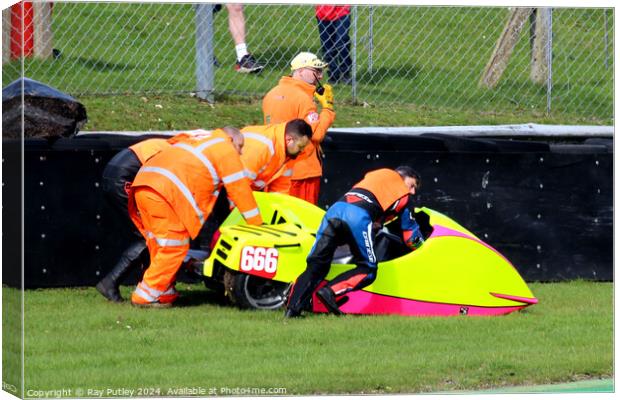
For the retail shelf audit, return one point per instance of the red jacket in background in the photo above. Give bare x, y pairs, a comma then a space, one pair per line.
331, 13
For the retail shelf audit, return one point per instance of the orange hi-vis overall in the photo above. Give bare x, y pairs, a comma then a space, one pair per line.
264, 158
171, 198
291, 99
146, 149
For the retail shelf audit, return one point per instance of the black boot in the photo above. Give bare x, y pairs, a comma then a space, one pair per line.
328, 298
108, 286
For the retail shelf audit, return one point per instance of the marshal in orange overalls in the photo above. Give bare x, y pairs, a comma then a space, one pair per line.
171, 198
265, 159
290, 99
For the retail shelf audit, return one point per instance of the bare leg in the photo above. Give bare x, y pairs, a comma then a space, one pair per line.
236, 22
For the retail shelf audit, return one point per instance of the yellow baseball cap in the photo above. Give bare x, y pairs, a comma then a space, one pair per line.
307, 60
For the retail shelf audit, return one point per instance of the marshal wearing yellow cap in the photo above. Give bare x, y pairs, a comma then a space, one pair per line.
307, 60
294, 98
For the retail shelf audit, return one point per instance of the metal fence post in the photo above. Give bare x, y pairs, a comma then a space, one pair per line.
548, 14
354, 57
371, 44
205, 69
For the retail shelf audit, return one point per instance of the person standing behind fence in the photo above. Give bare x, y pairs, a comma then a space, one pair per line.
293, 98
236, 24
334, 23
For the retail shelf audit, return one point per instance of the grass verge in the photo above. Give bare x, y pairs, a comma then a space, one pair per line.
94, 344
178, 112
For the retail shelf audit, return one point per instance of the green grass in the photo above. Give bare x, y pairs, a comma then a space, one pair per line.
429, 57
12, 340
94, 344
178, 112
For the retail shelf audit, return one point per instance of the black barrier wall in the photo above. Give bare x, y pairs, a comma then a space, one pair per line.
548, 207
12, 210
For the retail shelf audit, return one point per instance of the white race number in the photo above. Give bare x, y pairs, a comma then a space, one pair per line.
259, 260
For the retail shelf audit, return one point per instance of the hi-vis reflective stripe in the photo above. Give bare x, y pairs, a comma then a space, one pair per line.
233, 177
152, 295
171, 290
186, 192
252, 213
198, 132
260, 184
209, 144
196, 152
262, 139
147, 293
288, 172
250, 174
167, 242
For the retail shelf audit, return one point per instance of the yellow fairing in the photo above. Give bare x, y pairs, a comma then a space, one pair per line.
452, 267
454, 270
291, 226
448, 269
291, 243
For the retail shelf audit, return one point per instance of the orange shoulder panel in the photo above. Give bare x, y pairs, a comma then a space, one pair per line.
230, 170
386, 184
146, 149
264, 153
290, 99
183, 175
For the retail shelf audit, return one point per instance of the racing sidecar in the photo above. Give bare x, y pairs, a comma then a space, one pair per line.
452, 273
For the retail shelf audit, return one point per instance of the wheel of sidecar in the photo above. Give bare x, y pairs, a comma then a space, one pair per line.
252, 292
216, 287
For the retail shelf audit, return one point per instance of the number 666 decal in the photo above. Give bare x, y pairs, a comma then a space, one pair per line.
260, 261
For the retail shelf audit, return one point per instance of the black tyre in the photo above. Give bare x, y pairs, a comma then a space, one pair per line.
252, 292
216, 287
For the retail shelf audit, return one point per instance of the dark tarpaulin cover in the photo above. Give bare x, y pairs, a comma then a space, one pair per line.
48, 113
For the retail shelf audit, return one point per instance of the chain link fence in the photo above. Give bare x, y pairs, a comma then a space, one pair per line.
484, 59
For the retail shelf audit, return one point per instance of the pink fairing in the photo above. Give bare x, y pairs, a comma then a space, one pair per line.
362, 302
527, 300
